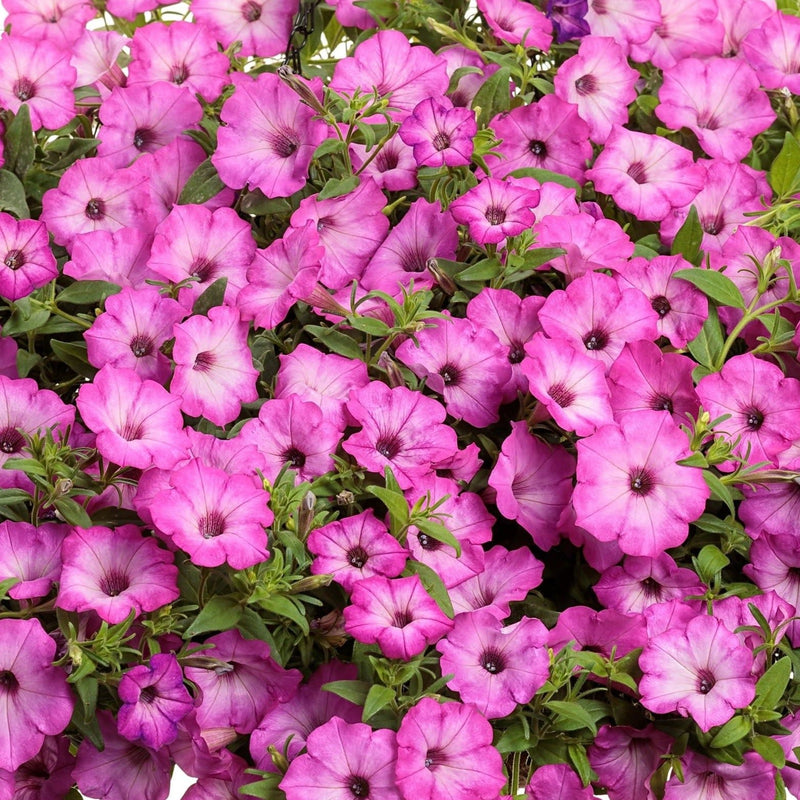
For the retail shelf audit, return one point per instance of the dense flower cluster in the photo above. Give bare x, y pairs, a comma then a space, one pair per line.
419, 422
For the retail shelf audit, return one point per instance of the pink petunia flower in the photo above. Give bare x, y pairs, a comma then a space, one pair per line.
516, 22
771, 49
557, 782
702, 671
117, 257
32, 555
393, 168
445, 753
495, 667
35, 699
626, 21
344, 761
607, 632
47, 775
630, 488
713, 780
439, 133
114, 572
396, 614
26, 260
94, 56
59, 21
269, 136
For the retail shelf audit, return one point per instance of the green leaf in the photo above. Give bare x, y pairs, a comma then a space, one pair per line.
494, 96
378, 697
571, 716
375, 327
219, 614
354, 691
72, 512
336, 187
77, 148
484, 270
709, 561
717, 286
546, 176
212, 296
336, 341
20, 145
688, 239
87, 692
283, 607
25, 317
88, 293
73, 354
514, 739
203, 184
577, 755
719, 490
432, 584
12, 195
732, 731
266, 789
707, 346
769, 750
396, 503
7, 584
772, 684
439, 532
784, 174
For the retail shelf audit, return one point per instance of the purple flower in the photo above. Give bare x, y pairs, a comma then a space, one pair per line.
154, 700
494, 667
48, 775
440, 134
114, 572
568, 20
702, 671
26, 260
445, 753
344, 761
557, 782
709, 779
398, 615
35, 699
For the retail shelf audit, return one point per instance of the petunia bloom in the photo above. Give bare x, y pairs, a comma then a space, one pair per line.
26, 260
439, 133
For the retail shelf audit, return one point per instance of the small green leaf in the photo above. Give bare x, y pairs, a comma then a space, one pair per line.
710, 561
719, 490
375, 327
494, 96
73, 354
432, 584
784, 174
87, 692
689, 238
336, 187
579, 759
715, 285
439, 532
546, 176
203, 184
85, 293
571, 716
212, 296
12, 195
378, 697
266, 789
283, 607
354, 691
220, 613
485, 270
25, 317
8, 583
769, 750
732, 731
336, 341
396, 503
772, 684
20, 146
72, 512
707, 346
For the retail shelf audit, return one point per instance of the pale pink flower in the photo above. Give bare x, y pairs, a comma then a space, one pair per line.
517, 22
772, 50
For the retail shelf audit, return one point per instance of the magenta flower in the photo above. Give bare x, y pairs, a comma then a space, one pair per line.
47, 776
557, 782
702, 671
607, 632
344, 761
142, 119
597, 318
59, 21
762, 403
719, 100
440, 134
631, 489
290, 432
154, 700
94, 56
401, 429
288, 725
393, 169
468, 366
350, 228
738, 18
8, 357
506, 576
646, 174
117, 257
495, 209
38, 74
280, 274
244, 686
198, 244
322, 378
625, 758
457, 55
516, 22
33, 555
122, 770
771, 508
388, 64
130, 333
215, 517
26, 260
114, 572
445, 753
35, 700
354, 548
625, 21
93, 195
398, 615
547, 134
180, 53
269, 138
712, 780
214, 372
643, 377
138, 423
533, 481
599, 81
571, 386
25, 410
494, 667
771, 50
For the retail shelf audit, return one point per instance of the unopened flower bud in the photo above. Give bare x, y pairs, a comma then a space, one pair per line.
278, 759
345, 498
63, 486
310, 583
305, 514
395, 377
443, 280
300, 88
